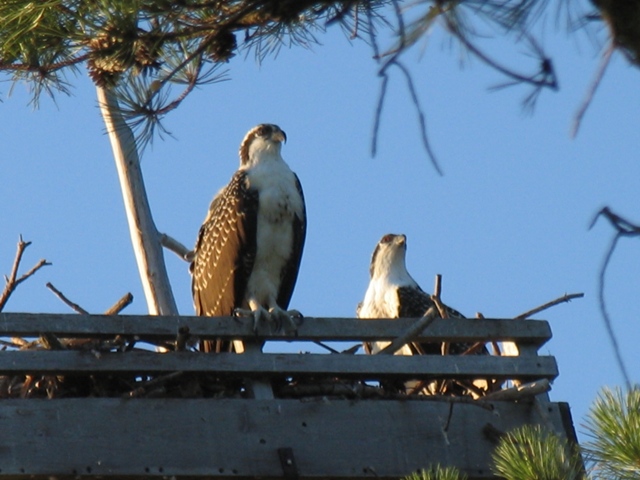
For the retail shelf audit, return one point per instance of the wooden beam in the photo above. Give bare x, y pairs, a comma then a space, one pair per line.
65, 362
240, 439
533, 332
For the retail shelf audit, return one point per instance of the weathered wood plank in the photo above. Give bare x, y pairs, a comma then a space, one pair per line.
239, 439
270, 364
534, 332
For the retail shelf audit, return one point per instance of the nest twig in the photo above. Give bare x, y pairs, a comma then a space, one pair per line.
12, 281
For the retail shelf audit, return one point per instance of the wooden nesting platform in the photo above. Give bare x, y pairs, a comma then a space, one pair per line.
101, 407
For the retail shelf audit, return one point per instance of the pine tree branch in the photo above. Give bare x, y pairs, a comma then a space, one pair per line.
624, 228
604, 63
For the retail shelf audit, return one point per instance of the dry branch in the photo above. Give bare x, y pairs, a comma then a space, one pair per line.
120, 304
494, 345
182, 338
520, 392
153, 384
595, 83
437, 290
565, 298
51, 342
65, 300
415, 330
12, 281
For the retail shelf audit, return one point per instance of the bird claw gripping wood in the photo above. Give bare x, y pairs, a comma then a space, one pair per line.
287, 320
276, 318
260, 315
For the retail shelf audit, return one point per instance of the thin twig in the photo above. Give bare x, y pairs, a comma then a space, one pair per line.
565, 298
539, 83
413, 331
604, 63
12, 281
605, 313
60, 295
494, 345
144, 388
325, 346
382, 73
624, 228
437, 286
437, 290
421, 117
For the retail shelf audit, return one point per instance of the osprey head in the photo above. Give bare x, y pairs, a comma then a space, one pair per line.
389, 256
264, 139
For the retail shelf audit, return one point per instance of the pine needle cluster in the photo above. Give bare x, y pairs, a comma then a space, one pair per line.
533, 453
614, 427
153, 52
438, 473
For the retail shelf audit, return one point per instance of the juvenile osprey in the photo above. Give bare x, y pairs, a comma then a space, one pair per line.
250, 245
393, 293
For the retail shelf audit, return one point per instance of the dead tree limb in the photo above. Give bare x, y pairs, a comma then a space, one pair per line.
144, 234
176, 247
12, 281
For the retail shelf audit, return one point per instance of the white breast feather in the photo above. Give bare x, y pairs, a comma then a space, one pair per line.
381, 299
279, 202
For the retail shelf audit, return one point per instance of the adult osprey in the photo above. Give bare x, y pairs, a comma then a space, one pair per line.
393, 293
250, 245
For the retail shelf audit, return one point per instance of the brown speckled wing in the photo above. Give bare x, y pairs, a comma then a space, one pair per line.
414, 302
225, 250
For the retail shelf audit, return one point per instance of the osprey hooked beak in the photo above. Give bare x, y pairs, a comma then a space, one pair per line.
279, 136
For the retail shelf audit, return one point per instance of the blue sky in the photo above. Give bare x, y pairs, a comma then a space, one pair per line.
506, 226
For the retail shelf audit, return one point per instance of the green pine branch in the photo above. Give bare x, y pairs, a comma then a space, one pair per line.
613, 425
533, 453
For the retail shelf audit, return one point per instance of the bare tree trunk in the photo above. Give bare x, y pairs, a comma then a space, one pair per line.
144, 235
